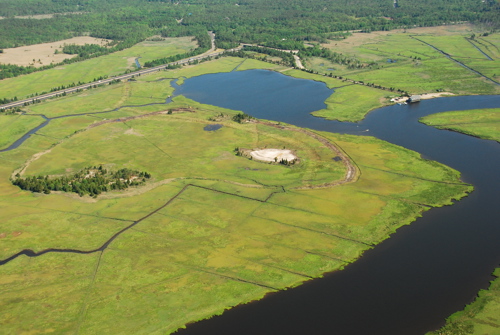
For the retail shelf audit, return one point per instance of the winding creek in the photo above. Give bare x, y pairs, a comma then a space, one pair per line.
409, 283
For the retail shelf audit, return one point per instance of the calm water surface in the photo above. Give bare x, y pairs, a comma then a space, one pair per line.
409, 283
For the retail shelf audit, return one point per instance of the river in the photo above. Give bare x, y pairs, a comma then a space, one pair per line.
412, 281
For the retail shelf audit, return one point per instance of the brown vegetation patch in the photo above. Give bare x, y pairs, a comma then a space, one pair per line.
44, 54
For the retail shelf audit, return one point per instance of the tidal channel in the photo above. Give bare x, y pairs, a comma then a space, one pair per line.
419, 276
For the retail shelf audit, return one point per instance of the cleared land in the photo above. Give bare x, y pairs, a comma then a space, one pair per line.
273, 155
483, 123
85, 71
44, 54
213, 230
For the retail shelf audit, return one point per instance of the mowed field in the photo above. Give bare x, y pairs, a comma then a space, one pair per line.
483, 123
85, 71
403, 62
209, 231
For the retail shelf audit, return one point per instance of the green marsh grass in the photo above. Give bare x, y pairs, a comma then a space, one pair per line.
483, 123
419, 68
13, 127
349, 102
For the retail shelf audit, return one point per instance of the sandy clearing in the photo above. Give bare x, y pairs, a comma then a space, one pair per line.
272, 155
434, 95
42, 16
423, 96
44, 52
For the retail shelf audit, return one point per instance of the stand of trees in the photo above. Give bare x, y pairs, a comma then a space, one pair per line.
278, 23
83, 50
91, 180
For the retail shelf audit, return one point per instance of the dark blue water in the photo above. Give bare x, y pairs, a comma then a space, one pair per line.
409, 283
212, 127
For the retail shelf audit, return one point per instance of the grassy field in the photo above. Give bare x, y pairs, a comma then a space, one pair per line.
480, 317
466, 51
213, 230
483, 123
109, 65
418, 68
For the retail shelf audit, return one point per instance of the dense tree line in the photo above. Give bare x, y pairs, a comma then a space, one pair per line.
83, 50
92, 181
287, 57
277, 23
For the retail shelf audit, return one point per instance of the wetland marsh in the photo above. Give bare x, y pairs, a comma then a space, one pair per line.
211, 230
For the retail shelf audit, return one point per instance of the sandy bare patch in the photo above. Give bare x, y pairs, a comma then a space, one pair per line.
44, 54
132, 131
42, 16
423, 96
273, 155
434, 95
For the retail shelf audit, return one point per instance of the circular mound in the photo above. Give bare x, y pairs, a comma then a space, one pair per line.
273, 155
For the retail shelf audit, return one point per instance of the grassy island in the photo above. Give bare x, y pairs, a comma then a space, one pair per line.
483, 123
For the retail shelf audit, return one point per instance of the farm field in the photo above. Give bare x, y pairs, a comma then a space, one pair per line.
211, 229
85, 71
403, 62
483, 123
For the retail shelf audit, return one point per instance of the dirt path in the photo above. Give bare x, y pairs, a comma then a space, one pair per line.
352, 171
298, 62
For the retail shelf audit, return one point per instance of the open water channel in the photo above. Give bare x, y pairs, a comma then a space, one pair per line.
409, 283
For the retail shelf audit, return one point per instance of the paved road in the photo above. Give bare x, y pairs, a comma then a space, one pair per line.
209, 53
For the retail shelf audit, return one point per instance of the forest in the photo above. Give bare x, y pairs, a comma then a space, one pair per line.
279, 23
